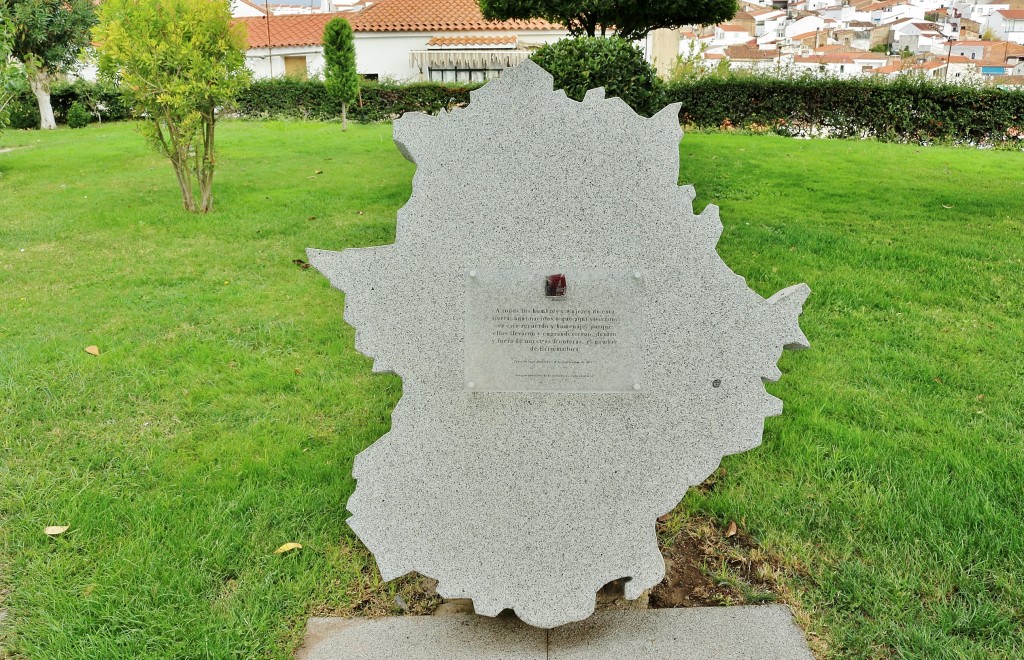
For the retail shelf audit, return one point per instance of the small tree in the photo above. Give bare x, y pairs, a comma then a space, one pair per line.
340, 75
630, 19
175, 62
47, 37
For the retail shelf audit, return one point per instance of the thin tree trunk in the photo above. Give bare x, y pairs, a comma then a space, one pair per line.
344, 116
39, 81
207, 165
185, 183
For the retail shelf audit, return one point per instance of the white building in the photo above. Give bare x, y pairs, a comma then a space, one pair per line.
840, 65
979, 12
403, 40
1008, 25
246, 9
882, 13
917, 37
728, 34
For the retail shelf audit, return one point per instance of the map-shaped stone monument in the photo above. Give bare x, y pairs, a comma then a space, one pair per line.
574, 353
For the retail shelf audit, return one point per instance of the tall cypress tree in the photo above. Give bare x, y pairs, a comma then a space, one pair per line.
340, 75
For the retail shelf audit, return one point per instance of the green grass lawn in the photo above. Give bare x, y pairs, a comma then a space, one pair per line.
222, 416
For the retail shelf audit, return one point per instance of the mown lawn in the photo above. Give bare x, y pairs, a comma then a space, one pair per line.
221, 417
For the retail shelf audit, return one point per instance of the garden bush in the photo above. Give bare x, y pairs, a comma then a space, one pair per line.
616, 64
78, 116
24, 113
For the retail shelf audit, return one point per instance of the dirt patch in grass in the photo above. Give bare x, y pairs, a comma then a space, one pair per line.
706, 564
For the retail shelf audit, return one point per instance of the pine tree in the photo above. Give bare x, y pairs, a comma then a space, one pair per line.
340, 65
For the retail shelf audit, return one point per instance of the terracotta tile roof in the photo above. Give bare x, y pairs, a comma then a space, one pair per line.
746, 52
888, 68
885, 3
435, 16
838, 48
731, 27
384, 16
286, 30
473, 41
841, 58
1012, 14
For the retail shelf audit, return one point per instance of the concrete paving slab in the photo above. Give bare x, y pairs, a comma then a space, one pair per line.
455, 637
765, 632
721, 633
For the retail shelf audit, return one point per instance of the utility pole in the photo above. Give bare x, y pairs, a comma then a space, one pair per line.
270, 47
949, 55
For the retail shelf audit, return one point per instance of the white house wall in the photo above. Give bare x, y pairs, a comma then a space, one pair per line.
385, 54
269, 63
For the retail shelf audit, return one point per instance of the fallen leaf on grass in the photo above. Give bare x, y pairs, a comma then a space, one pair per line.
947, 206
300, 263
731, 531
287, 547
92, 350
298, 372
318, 172
55, 530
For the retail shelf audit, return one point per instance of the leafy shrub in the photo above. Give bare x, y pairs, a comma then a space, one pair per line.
101, 100
78, 116
24, 112
616, 64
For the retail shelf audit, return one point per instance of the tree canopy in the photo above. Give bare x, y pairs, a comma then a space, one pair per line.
49, 33
629, 19
10, 75
46, 37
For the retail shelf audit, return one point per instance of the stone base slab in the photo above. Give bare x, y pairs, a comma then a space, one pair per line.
732, 633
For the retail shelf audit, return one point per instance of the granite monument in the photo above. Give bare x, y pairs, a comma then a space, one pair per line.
574, 353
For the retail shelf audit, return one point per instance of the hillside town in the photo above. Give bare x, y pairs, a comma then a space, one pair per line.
961, 42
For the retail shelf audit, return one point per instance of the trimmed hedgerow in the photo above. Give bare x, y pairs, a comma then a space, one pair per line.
309, 99
901, 110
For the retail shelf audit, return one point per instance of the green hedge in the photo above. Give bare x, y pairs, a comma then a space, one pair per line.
308, 99
100, 101
902, 110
